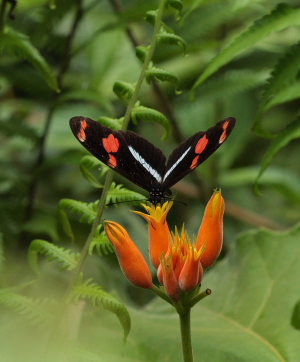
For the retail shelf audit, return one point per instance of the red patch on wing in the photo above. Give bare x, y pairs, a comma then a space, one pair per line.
81, 134
111, 143
224, 133
201, 144
112, 161
194, 162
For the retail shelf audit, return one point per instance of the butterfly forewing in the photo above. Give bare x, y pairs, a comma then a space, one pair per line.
195, 150
127, 153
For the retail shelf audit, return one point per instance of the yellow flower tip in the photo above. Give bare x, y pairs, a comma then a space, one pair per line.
114, 231
217, 203
158, 212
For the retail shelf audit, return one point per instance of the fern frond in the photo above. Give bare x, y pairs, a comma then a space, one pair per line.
32, 310
288, 93
18, 44
100, 243
98, 297
147, 114
290, 133
67, 258
118, 194
231, 83
281, 17
87, 165
285, 71
85, 211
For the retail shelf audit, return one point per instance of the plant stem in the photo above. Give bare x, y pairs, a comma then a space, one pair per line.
186, 339
146, 63
108, 179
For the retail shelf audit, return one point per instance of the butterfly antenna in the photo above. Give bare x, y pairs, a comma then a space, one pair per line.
126, 202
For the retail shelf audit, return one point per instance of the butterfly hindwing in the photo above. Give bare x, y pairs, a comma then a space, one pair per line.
127, 153
195, 150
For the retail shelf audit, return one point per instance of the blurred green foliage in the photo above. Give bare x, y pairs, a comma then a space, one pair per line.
213, 59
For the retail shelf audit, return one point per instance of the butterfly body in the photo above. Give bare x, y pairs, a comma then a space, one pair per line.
141, 162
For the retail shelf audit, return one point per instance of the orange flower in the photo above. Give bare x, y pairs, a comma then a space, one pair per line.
159, 233
180, 269
131, 260
211, 230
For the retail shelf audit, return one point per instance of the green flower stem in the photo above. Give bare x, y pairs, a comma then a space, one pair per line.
199, 297
161, 294
186, 339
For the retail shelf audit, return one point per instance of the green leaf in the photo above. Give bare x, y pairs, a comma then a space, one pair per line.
87, 165
288, 93
100, 243
176, 4
171, 39
123, 90
17, 44
161, 75
281, 178
85, 211
296, 316
290, 133
231, 83
98, 297
65, 223
141, 52
67, 258
280, 18
151, 16
118, 194
146, 114
113, 123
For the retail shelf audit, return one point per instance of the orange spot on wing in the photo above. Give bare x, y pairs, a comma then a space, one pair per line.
224, 133
194, 162
111, 143
201, 144
81, 134
112, 161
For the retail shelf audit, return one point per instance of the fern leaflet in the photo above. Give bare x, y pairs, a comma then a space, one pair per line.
67, 258
17, 44
118, 194
98, 297
85, 211
281, 17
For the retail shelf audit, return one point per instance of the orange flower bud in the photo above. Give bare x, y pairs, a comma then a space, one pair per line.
159, 233
211, 230
131, 260
192, 271
170, 281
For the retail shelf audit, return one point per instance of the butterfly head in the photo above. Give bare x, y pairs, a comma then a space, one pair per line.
159, 196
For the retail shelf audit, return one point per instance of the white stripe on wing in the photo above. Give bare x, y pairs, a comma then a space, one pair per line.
146, 165
175, 164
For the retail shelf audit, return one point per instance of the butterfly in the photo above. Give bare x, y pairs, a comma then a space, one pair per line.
141, 162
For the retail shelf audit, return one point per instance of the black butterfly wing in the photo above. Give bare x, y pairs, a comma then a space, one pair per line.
195, 150
125, 152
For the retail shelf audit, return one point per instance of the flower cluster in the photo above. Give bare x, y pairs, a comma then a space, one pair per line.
178, 260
